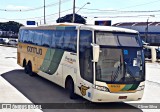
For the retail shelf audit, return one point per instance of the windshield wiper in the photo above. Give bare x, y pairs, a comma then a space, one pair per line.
118, 71
115, 74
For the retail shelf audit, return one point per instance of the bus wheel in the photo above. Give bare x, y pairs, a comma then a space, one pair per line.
30, 72
26, 69
70, 88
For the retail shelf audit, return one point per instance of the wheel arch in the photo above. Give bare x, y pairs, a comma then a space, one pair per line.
67, 79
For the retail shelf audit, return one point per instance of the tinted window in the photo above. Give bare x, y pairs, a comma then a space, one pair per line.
30, 37
20, 38
46, 41
59, 39
38, 37
85, 40
67, 38
117, 39
85, 55
25, 36
70, 41
53, 38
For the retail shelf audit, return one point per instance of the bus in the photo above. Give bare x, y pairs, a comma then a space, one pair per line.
99, 63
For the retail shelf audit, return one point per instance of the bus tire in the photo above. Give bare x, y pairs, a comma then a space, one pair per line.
24, 63
30, 72
26, 69
70, 88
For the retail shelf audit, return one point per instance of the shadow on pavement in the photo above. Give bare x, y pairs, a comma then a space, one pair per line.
40, 90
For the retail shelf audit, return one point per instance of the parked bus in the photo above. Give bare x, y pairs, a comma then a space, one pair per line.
99, 63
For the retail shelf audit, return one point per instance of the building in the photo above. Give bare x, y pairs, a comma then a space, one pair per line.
149, 31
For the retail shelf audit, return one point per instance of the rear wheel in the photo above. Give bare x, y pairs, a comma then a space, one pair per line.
26, 69
30, 72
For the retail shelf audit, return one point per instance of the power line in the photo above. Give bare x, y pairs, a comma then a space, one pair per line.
33, 9
49, 5
39, 16
140, 4
141, 16
111, 11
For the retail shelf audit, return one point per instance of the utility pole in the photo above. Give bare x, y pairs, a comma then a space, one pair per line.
73, 19
44, 13
59, 10
147, 30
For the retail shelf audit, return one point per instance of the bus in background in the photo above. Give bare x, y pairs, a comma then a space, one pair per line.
99, 63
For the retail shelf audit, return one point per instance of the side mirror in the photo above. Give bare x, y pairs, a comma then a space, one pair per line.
96, 50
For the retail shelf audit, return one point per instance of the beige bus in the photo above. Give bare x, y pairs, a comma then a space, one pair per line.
99, 63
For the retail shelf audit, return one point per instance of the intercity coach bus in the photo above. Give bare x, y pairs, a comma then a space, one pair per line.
99, 63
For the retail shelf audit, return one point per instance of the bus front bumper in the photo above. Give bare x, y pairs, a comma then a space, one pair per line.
102, 96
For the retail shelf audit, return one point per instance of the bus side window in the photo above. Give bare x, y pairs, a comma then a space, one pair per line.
46, 39
67, 36
70, 41
59, 39
73, 41
53, 39
20, 38
25, 36
38, 38
30, 37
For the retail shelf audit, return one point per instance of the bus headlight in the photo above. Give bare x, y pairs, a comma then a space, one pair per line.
140, 88
101, 88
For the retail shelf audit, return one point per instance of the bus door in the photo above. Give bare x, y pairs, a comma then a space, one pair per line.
85, 81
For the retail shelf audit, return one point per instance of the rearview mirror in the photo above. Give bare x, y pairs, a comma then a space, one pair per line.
96, 50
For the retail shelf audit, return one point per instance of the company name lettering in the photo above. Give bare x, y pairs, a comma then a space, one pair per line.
34, 50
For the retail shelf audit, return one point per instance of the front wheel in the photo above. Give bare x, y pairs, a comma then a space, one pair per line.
70, 88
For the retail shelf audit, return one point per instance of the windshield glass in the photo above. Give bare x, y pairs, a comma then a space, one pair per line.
121, 57
117, 39
120, 65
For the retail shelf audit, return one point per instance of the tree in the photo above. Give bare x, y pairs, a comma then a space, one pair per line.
69, 17
10, 29
10, 26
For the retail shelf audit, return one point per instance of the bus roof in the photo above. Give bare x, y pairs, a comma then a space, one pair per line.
108, 28
81, 26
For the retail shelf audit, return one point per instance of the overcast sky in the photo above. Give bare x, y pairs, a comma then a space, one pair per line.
115, 10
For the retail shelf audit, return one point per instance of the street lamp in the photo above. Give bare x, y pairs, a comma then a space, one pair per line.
73, 19
83, 6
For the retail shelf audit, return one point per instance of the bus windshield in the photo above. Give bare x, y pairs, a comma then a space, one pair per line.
117, 39
121, 59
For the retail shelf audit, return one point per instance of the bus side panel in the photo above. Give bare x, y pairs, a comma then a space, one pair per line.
32, 53
51, 67
69, 63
